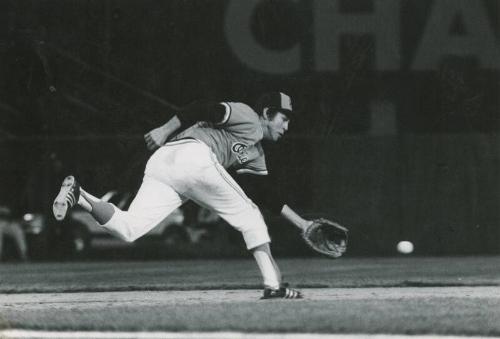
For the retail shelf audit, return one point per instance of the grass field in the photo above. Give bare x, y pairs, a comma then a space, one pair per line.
403, 295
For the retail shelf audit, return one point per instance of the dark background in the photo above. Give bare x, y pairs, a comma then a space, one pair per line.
392, 154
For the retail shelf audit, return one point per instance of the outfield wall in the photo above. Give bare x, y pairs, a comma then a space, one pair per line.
439, 191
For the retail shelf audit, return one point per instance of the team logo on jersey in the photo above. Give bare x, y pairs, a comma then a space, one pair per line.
240, 149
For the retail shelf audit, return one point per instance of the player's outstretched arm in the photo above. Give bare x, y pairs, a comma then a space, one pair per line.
294, 218
158, 136
321, 234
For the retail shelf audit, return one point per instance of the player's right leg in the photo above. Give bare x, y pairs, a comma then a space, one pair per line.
154, 201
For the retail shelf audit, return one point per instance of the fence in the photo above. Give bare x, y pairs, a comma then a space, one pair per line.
439, 191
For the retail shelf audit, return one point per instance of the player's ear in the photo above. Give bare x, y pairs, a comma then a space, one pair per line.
264, 113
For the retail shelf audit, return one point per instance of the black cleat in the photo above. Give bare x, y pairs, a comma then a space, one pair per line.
67, 198
282, 293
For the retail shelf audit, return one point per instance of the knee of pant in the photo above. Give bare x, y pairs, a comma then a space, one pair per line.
248, 220
261, 247
128, 236
122, 227
124, 233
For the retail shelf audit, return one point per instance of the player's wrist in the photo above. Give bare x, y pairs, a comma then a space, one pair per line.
308, 223
294, 217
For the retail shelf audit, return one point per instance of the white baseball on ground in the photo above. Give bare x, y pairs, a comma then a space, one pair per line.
405, 247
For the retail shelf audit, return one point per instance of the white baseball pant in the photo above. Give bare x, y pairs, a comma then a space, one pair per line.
188, 170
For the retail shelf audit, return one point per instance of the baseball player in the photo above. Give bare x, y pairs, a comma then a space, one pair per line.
191, 165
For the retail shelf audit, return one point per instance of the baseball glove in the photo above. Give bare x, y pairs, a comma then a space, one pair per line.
326, 237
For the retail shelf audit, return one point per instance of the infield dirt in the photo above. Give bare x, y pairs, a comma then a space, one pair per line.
452, 296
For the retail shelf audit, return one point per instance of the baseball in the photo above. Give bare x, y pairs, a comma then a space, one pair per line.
405, 247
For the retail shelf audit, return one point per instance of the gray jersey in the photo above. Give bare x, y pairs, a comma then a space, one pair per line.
235, 141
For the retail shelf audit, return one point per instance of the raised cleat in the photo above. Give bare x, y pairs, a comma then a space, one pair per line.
282, 293
67, 198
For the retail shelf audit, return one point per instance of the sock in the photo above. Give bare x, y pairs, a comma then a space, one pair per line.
88, 195
277, 269
270, 274
100, 210
84, 199
84, 203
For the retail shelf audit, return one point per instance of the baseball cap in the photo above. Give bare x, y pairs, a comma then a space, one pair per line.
276, 100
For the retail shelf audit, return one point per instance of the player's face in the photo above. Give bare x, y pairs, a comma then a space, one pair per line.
276, 127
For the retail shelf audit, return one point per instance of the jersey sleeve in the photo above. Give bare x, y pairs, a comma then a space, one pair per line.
256, 166
211, 112
241, 121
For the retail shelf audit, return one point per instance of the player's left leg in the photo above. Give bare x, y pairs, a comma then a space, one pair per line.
267, 266
217, 190
274, 288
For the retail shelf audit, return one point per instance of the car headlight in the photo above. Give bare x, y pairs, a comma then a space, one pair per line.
28, 217
34, 223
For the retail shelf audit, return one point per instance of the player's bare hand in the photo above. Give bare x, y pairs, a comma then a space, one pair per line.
155, 138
